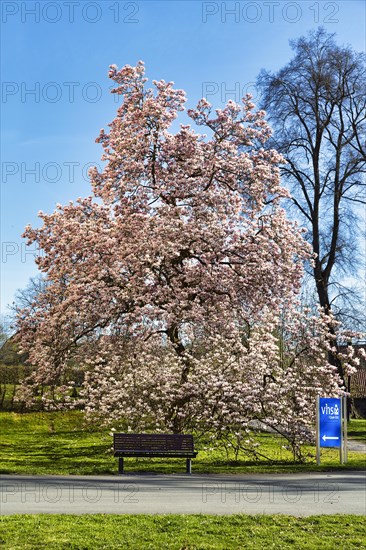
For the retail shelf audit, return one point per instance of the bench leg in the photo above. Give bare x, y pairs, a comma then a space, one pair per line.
120, 465
188, 466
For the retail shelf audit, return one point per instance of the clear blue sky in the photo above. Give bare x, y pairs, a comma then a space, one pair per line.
62, 49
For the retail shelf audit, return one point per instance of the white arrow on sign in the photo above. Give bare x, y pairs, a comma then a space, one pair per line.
325, 437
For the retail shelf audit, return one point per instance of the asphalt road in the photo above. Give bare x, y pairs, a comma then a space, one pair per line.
294, 494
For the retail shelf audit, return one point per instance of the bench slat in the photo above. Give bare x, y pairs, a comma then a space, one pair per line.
158, 442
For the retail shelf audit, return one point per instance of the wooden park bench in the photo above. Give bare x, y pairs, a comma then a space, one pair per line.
154, 445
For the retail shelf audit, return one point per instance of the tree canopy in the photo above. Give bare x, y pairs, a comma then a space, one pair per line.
176, 285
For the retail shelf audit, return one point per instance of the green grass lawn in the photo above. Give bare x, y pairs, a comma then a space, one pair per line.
25, 532
60, 443
357, 430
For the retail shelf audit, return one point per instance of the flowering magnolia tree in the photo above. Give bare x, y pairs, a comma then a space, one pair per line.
176, 289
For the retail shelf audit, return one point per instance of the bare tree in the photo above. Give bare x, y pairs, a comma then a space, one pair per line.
316, 105
26, 297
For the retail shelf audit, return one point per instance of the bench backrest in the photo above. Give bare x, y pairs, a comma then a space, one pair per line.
153, 442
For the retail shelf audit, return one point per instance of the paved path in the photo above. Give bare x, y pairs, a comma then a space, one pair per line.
295, 494
356, 445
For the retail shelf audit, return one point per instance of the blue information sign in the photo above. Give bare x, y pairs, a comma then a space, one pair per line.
330, 422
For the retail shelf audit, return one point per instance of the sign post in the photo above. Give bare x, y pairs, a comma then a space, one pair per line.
341, 454
331, 426
317, 431
345, 414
